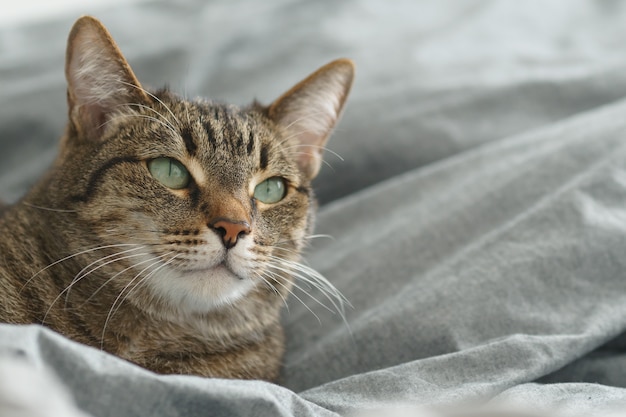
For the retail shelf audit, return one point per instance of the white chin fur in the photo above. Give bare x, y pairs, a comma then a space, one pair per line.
199, 291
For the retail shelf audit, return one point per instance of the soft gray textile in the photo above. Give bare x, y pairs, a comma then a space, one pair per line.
478, 219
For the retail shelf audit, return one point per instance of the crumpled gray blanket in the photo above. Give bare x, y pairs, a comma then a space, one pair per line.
478, 217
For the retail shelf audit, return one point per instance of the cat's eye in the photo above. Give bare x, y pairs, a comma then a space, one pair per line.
270, 191
169, 172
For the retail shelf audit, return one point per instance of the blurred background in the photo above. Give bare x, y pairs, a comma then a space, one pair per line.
29, 11
434, 79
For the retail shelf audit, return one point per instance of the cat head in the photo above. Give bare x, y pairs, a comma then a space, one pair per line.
199, 203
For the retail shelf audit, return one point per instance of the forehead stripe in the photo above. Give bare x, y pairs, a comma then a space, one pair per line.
190, 144
250, 146
209, 132
263, 158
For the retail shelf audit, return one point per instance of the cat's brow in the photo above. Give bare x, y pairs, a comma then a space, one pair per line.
250, 144
263, 157
96, 176
210, 133
189, 141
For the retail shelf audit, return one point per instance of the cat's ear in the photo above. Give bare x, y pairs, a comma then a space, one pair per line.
310, 110
99, 79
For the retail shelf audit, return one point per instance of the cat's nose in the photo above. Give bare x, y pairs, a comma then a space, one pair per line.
230, 230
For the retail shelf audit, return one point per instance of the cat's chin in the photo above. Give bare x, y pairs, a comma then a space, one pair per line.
200, 291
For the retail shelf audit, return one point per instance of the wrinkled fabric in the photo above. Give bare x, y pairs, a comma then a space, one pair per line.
476, 206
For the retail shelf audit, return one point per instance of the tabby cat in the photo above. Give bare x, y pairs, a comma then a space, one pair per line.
168, 231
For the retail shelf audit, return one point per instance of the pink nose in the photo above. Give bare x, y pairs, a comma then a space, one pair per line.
230, 230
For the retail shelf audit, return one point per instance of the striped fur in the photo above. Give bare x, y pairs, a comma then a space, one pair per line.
102, 252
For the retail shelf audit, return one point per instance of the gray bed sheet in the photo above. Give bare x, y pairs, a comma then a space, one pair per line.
478, 216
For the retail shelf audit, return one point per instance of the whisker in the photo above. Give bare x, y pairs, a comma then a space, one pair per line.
143, 106
273, 288
327, 289
295, 134
323, 148
118, 274
300, 132
293, 294
150, 274
325, 162
73, 256
67, 289
309, 116
187, 112
276, 246
288, 250
82, 274
143, 116
154, 97
119, 303
48, 208
305, 241
311, 277
318, 236
277, 276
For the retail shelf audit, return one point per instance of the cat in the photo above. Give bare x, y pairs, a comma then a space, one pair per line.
168, 231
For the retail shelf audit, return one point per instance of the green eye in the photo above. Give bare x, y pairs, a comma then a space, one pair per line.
270, 191
169, 172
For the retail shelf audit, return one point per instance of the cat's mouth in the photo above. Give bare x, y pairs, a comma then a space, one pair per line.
220, 269
203, 288
224, 268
